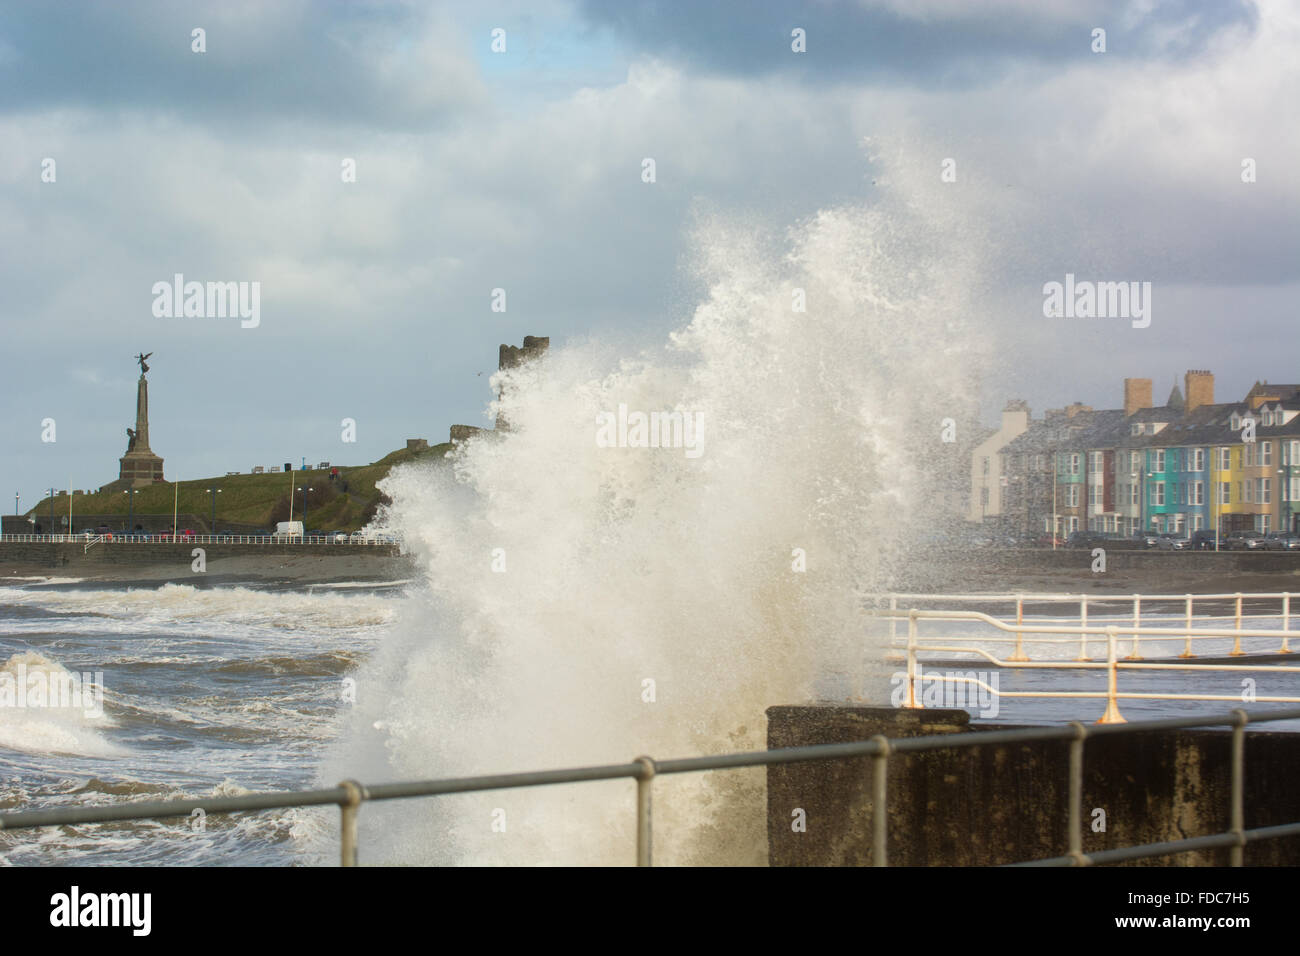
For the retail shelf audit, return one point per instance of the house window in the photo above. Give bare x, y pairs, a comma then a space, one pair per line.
1225, 493
1072, 496
1133, 462
1133, 498
1265, 496
1198, 522
1198, 459
1074, 523
1262, 523
1158, 493
1159, 454
1198, 493
1266, 452
1225, 459
1074, 464
1295, 487
1250, 491
1236, 421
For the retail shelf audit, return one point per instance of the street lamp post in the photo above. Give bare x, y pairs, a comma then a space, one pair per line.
1214, 495
1054, 464
15, 504
212, 525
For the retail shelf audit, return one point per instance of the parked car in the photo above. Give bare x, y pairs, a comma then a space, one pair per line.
1203, 540
1282, 541
1147, 539
1243, 541
1173, 541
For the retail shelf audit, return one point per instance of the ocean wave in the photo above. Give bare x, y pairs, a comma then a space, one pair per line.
44, 708
173, 604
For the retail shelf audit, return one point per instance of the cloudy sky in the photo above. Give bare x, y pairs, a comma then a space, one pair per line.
521, 170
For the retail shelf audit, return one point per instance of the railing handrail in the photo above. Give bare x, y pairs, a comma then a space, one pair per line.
89, 539
1035, 597
1101, 630
349, 795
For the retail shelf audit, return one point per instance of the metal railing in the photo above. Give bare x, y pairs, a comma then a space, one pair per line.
1110, 634
1141, 603
127, 537
349, 795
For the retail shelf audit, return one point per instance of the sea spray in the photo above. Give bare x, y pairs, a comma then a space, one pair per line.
586, 603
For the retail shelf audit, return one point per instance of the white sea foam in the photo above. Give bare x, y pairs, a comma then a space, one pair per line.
173, 604
563, 576
54, 727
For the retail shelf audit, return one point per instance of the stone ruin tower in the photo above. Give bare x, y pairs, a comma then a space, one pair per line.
510, 356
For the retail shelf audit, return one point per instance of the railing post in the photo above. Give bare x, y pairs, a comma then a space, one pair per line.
1187, 647
1236, 644
348, 808
912, 701
1083, 624
1112, 714
1019, 653
1286, 622
644, 828
880, 803
1076, 794
1133, 654
1238, 823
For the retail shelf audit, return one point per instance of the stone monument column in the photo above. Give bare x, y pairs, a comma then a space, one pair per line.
140, 466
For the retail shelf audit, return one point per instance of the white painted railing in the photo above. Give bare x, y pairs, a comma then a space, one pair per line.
1055, 632
127, 538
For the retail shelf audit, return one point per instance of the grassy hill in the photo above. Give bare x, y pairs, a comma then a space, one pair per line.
259, 499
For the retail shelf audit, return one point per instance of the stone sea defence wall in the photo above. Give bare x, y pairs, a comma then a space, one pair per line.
989, 805
106, 554
1032, 559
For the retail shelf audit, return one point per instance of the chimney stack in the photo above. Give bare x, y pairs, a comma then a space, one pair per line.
1137, 395
1198, 389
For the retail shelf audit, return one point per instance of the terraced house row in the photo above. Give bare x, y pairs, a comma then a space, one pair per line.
1182, 466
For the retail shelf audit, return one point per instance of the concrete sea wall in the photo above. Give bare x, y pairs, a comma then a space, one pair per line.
989, 805
159, 554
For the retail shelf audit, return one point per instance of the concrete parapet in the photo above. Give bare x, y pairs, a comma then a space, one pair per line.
995, 804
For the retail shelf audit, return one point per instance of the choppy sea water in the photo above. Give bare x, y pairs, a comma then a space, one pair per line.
206, 692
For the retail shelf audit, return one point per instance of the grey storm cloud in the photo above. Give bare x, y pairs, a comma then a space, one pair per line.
368, 65
920, 42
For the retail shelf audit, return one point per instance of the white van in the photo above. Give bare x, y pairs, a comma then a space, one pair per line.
287, 531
